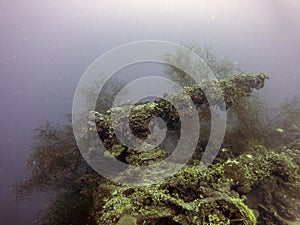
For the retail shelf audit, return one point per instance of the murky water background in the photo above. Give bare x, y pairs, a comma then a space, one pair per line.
45, 46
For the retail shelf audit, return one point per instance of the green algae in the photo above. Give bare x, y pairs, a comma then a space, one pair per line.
219, 194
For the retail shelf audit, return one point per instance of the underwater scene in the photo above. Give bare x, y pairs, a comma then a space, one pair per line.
150, 113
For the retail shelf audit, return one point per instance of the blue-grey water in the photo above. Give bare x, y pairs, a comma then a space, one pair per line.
45, 46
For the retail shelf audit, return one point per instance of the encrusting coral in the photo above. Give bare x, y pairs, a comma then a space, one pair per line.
247, 183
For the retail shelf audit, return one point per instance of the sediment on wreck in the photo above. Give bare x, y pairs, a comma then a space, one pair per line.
237, 189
